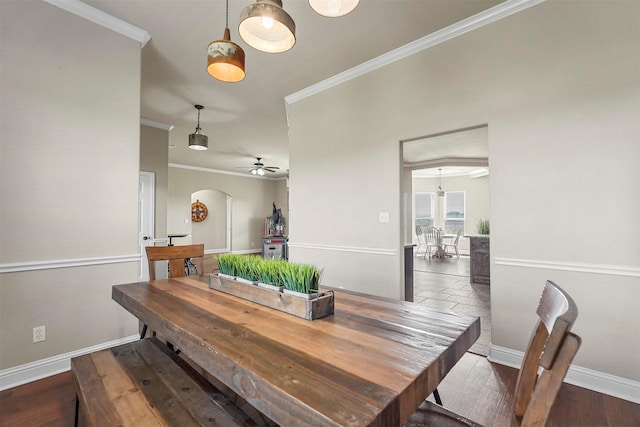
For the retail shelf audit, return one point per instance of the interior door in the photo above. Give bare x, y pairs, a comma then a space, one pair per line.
146, 191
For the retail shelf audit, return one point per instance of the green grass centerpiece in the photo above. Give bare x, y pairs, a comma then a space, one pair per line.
275, 283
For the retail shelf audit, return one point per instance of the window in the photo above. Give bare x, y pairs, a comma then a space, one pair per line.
424, 209
454, 212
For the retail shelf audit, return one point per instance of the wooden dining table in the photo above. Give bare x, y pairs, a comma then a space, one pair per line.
371, 363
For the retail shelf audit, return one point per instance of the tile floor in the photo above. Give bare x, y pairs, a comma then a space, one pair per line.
444, 284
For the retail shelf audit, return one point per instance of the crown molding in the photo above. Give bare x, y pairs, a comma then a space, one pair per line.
448, 161
478, 20
243, 175
103, 19
157, 125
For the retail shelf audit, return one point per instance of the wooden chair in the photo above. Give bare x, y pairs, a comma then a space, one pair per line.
432, 239
551, 349
176, 256
422, 244
178, 266
453, 244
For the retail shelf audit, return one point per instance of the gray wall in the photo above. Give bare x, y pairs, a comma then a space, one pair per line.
252, 202
559, 87
69, 160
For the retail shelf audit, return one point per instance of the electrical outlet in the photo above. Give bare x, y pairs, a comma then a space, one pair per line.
384, 216
39, 334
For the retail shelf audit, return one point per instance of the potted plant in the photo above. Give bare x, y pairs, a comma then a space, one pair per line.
483, 226
290, 287
301, 280
227, 265
267, 272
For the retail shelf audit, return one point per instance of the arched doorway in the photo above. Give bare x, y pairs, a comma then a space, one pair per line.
215, 230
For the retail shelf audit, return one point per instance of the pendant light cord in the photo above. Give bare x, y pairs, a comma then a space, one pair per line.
226, 22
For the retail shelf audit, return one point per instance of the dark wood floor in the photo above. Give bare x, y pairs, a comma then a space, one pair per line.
475, 388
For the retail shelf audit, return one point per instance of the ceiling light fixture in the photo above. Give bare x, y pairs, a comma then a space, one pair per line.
265, 26
198, 140
440, 190
225, 59
333, 8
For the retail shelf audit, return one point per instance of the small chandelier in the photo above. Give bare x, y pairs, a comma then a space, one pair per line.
333, 8
265, 26
225, 59
198, 140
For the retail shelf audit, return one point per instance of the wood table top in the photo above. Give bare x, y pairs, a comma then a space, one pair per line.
371, 363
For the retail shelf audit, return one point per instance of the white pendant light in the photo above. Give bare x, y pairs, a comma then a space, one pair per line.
333, 8
264, 25
198, 140
440, 190
225, 59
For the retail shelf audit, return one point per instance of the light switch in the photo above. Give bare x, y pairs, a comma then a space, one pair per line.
384, 216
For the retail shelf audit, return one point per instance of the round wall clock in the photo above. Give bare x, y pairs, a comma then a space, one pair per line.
199, 211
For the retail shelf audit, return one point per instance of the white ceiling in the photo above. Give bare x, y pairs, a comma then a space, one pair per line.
247, 119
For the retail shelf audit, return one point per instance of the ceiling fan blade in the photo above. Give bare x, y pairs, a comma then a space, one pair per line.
268, 169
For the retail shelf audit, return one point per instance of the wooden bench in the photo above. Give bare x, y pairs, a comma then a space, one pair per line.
145, 384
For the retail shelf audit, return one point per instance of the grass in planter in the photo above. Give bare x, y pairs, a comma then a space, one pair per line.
268, 272
302, 278
227, 264
244, 267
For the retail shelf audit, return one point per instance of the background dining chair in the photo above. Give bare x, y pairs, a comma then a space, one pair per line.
551, 349
183, 261
432, 239
422, 244
452, 244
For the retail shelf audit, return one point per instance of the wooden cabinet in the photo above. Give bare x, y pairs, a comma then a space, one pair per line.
408, 272
480, 260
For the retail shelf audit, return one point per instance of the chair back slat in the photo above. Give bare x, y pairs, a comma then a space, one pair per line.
551, 347
175, 255
558, 312
432, 236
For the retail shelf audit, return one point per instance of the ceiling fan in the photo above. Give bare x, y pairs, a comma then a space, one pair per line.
260, 169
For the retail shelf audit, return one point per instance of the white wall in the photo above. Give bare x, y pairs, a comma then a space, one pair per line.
69, 161
559, 87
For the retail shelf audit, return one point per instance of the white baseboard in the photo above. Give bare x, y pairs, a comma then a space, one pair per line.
44, 368
247, 251
582, 377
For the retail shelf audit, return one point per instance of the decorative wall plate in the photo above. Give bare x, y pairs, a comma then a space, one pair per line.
199, 211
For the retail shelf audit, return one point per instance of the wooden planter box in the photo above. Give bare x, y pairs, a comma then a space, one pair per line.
309, 309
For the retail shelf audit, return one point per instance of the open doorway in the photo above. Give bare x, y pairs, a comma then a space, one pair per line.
445, 187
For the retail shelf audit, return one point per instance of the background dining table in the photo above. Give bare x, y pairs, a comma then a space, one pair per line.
371, 363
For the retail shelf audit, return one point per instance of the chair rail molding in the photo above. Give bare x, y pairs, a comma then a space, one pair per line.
609, 269
582, 377
65, 263
362, 250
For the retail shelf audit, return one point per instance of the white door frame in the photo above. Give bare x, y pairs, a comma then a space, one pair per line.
146, 219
